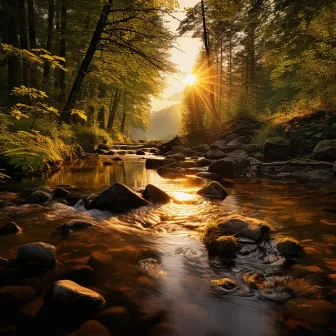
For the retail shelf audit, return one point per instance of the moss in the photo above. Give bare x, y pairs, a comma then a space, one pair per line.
289, 247
253, 280
211, 233
227, 244
225, 283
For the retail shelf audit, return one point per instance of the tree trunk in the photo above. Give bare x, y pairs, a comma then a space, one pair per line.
46, 69
114, 106
31, 21
65, 115
102, 89
21, 15
62, 96
13, 62
57, 40
230, 73
124, 115
212, 106
220, 76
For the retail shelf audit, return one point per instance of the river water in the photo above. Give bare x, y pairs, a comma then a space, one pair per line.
180, 290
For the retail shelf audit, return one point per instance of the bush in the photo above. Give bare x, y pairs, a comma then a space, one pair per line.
89, 137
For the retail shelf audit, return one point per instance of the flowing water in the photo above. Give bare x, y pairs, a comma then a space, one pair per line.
179, 287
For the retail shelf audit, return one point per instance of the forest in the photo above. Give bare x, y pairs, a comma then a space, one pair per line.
167, 168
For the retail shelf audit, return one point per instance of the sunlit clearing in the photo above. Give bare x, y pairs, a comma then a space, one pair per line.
182, 196
190, 79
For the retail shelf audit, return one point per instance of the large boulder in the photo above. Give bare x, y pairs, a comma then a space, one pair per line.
325, 150
224, 167
213, 190
289, 247
172, 169
38, 253
237, 154
277, 148
184, 150
203, 163
70, 294
201, 148
220, 144
155, 195
118, 198
246, 227
214, 154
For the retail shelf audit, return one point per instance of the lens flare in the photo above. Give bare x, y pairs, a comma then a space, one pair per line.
190, 79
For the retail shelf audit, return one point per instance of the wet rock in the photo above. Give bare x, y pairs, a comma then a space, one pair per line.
72, 295
219, 144
61, 192
7, 205
259, 156
99, 260
214, 154
176, 156
203, 163
213, 190
151, 267
38, 197
224, 283
121, 153
155, 195
289, 247
247, 227
313, 273
78, 273
91, 328
37, 253
188, 164
114, 317
173, 169
104, 147
254, 280
74, 224
157, 163
224, 167
184, 150
333, 278
219, 244
253, 161
201, 148
237, 154
9, 228
209, 176
26, 193
325, 150
277, 148
314, 175
140, 152
118, 198
92, 158
16, 295
317, 312
117, 158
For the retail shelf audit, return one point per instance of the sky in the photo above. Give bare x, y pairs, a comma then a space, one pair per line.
183, 56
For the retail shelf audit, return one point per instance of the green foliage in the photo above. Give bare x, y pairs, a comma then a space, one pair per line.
32, 151
35, 108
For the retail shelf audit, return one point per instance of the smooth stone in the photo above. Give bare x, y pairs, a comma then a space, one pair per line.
69, 293
117, 158
276, 148
37, 253
31, 309
213, 190
75, 225
242, 226
38, 197
313, 273
78, 273
140, 152
176, 156
26, 193
325, 150
155, 194
288, 247
91, 328
214, 154
224, 283
224, 167
118, 198
108, 163
61, 192
203, 163
157, 163
9, 228
151, 267
312, 251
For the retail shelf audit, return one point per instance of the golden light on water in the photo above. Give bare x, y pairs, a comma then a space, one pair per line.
182, 196
190, 79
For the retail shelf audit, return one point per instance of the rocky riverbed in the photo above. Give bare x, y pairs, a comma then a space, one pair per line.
158, 256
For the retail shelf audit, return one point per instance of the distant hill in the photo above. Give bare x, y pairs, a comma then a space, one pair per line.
165, 125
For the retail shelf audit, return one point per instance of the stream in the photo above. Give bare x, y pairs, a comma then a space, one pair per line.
180, 289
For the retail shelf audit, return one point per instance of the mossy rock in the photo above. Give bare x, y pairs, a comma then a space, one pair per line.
289, 247
224, 283
253, 280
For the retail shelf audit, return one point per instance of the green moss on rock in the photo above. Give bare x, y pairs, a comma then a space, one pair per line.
289, 247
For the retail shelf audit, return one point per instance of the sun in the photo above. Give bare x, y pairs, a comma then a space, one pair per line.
190, 79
